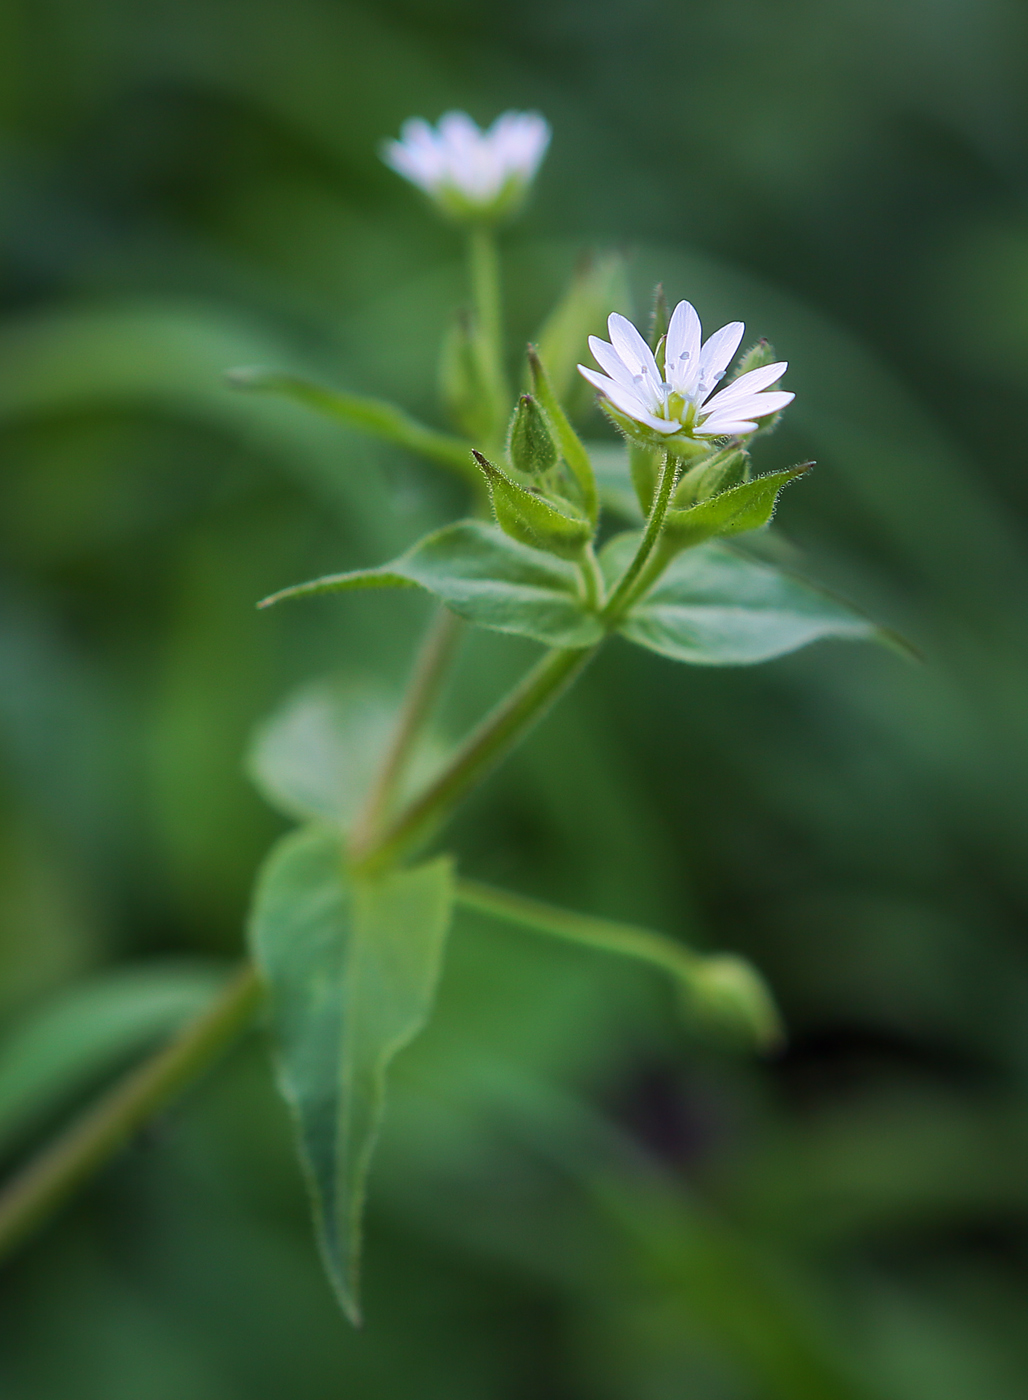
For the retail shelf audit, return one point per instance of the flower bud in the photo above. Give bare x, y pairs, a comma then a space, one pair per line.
533, 519
730, 990
530, 445
756, 357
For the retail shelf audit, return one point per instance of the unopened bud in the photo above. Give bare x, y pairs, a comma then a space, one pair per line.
530, 444
532, 518
756, 357
730, 990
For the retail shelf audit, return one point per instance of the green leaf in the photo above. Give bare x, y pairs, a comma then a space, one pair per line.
486, 577
319, 754
351, 968
531, 518
374, 416
732, 512
90, 1030
716, 607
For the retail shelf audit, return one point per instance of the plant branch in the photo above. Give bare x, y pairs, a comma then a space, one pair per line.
620, 598
497, 734
723, 985
48, 1178
426, 680
484, 274
612, 937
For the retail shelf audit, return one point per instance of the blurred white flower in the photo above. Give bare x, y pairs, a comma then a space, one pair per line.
682, 398
467, 171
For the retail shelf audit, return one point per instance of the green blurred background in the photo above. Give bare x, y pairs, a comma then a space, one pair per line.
574, 1200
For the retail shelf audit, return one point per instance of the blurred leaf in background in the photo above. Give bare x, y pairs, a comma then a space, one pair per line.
571, 1202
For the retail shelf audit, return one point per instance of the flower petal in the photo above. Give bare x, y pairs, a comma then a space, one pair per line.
682, 349
752, 406
611, 363
746, 385
628, 401
634, 352
717, 354
727, 427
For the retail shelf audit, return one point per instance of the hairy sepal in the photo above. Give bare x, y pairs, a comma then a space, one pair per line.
748, 506
533, 519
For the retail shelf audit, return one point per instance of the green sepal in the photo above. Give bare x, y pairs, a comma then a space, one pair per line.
599, 286
745, 507
485, 576
714, 606
351, 966
721, 470
679, 444
531, 518
464, 386
571, 447
530, 445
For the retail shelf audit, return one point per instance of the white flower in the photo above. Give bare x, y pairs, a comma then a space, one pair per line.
466, 170
682, 399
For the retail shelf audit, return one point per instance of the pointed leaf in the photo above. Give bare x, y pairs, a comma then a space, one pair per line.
485, 576
351, 968
745, 507
716, 607
374, 416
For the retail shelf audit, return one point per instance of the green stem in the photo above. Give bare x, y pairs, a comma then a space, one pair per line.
653, 948
592, 578
512, 718
51, 1176
621, 596
423, 689
484, 274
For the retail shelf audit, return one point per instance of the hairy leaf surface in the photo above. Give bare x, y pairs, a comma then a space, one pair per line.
716, 607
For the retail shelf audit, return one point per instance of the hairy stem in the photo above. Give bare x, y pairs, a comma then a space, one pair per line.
592, 578
426, 680
497, 734
621, 596
40, 1187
